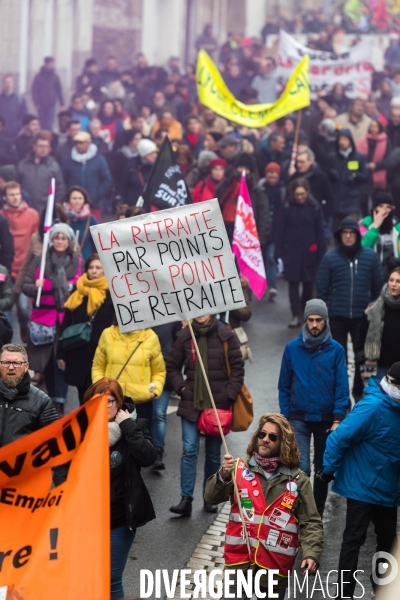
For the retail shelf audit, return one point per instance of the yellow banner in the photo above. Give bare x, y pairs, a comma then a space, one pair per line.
214, 94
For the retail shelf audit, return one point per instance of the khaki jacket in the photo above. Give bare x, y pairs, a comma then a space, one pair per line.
310, 524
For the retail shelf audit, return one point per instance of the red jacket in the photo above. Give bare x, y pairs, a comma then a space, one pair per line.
23, 222
227, 194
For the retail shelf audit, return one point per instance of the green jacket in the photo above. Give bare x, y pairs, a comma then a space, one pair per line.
310, 524
370, 235
6, 291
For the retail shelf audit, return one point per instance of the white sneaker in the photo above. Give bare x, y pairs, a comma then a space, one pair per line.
272, 294
295, 322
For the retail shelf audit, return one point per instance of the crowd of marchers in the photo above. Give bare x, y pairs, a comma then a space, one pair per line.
328, 225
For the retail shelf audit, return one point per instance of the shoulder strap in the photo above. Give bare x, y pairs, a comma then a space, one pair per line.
123, 368
85, 232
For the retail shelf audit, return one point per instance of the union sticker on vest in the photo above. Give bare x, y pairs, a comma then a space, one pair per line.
279, 518
272, 537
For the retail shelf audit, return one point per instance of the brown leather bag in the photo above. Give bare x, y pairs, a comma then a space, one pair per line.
243, 413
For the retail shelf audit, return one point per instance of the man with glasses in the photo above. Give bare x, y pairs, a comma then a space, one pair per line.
363, 457
314, 389
23, 407
277, 502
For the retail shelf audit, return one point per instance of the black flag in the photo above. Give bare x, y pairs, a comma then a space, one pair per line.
166, 187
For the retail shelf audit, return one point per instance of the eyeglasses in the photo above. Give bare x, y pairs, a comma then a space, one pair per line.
6, 364
110, 403
60, 238
272, 436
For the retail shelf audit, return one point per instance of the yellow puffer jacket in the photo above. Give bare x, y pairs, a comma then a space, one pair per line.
146, 365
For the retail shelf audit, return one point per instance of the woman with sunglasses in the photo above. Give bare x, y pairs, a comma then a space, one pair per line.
277, 504
130, 449
211, 336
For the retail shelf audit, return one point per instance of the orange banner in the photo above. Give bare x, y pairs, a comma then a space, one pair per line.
55, 541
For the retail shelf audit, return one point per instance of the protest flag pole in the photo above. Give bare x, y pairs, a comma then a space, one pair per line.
292, 168
245, 532
48, 220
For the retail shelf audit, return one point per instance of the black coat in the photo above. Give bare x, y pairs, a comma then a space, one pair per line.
276, 200
8, 152
46, 89
266, 156
225, 389
393, 133
301, 240
348, 176
320, 188
78, 362
30, 410
134, 450
260, 203
6, 244
133, 180
322, 146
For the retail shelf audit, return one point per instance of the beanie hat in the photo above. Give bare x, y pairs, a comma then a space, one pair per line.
8, 173
228, 140
245, 160
217, 162
146, 147
273, 167
316, 307
64, 229
382, 197
394, 373
204, 159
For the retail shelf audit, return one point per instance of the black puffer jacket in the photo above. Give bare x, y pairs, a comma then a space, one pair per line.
133, 451
225, 389
23, 412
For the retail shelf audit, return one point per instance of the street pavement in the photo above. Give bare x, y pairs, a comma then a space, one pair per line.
169, 541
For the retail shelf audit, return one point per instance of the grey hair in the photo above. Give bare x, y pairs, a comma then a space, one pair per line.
14, 348
310, 154
328, 125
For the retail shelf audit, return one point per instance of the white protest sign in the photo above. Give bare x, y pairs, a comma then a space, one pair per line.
168, 265
352, 67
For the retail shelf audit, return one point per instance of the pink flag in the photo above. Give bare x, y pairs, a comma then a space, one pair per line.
246, 245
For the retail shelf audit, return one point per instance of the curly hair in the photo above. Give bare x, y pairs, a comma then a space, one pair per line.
289, 451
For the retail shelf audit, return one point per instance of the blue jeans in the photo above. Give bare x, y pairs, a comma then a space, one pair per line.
121, 542
303, 431
159, 421
23, 311
191, 443
270, 265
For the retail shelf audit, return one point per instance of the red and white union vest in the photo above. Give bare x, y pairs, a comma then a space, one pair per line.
272, 530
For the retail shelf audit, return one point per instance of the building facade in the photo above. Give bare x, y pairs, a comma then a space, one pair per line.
74, 30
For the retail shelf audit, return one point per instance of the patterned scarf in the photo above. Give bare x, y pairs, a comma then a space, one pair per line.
77, 215
267, 464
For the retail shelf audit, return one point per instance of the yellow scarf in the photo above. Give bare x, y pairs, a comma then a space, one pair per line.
94, 289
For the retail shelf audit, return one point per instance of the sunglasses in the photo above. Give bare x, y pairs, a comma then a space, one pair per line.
272, 436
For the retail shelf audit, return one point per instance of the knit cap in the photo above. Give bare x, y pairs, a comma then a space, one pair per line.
316, 307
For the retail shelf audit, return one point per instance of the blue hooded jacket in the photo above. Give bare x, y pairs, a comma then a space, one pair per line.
364, 451
313, 386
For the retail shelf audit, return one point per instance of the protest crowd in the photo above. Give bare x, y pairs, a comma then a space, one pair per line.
328, 223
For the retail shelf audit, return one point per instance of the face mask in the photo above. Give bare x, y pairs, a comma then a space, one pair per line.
391, 390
